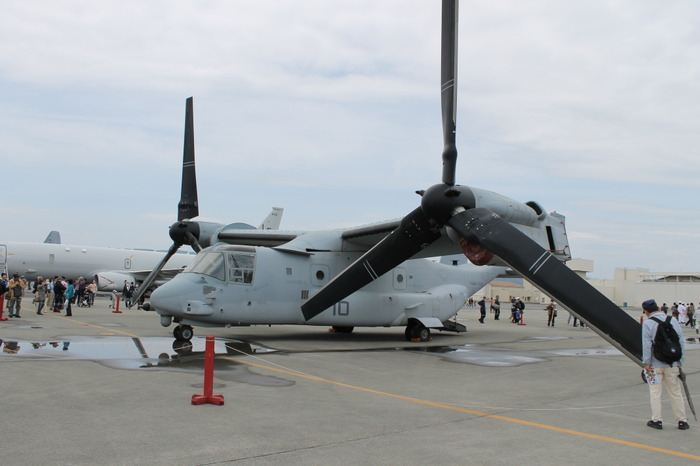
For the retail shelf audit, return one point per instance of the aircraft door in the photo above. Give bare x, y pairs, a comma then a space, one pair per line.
400, 278
320, 274
3, 258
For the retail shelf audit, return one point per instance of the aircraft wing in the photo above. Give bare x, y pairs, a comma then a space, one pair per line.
357, 238
266, 238
369, 235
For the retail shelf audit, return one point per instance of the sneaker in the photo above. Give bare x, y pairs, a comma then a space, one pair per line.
682, 425
656, 425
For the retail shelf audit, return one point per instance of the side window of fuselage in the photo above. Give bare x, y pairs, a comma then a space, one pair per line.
241, 266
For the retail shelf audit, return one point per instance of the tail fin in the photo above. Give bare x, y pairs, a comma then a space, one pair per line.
556, 235
53, 238
272, 221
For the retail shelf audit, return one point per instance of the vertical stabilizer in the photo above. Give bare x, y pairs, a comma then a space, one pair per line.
272, 221
53, 238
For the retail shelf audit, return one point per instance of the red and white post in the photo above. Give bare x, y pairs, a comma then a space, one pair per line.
208, 396
116, 306
2, 306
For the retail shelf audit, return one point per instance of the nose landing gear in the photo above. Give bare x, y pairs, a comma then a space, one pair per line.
183, 332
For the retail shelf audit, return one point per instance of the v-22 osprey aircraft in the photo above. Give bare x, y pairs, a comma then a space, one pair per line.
379, 274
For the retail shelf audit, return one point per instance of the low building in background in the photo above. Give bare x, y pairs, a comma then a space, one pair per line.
628, 287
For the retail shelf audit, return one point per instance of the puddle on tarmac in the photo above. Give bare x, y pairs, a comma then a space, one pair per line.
164, 353
152, 353
503, 357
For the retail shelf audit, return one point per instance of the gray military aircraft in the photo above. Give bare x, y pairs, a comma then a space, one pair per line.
379, 274
109, 267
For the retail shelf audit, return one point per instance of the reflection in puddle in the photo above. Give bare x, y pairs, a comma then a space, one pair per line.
481, 355
502, 357
164, 353
544, 338
152, 353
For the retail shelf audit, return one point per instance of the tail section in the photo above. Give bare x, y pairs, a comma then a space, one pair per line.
54, 237
273, 220
555, 224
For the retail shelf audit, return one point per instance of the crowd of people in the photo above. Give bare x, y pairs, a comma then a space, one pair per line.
684, 312
56, 294
517, 308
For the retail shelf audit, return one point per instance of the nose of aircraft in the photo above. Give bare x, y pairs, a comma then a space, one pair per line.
171, 298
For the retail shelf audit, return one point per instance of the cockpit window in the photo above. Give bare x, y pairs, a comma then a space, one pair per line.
208, 263
240, 267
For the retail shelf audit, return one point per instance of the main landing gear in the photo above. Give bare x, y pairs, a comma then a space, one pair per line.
415, 330
183, 332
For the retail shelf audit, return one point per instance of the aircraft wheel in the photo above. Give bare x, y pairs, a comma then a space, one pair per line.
177, 332
186, 332
343, 329
421, 332
407, 333
411, 328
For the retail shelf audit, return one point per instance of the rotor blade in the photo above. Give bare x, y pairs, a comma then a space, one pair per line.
448, 80
188, 207
688, 396
154, 273
192, 241
552, 276
412, 235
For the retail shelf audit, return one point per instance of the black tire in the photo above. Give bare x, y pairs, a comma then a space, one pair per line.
186, 333
177, 332
343, 329
421, 332
410, 329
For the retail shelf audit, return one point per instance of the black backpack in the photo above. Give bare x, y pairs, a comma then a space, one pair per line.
58, 287
667, 344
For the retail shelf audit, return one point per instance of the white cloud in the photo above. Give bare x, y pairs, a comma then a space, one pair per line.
331, 109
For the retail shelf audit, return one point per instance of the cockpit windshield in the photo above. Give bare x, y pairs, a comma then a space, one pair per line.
209, 263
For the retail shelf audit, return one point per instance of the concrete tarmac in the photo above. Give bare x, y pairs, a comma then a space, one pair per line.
107, 388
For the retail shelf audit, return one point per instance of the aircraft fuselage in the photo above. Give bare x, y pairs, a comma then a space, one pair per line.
111, 266
240, 285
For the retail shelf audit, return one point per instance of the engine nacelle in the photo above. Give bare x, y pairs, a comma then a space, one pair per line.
108, 281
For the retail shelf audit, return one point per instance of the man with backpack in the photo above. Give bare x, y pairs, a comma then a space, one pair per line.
663, 349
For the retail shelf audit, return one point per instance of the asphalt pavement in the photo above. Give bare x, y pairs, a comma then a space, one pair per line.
116, 388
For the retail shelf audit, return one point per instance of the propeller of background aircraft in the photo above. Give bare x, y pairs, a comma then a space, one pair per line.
183, 231
447, 205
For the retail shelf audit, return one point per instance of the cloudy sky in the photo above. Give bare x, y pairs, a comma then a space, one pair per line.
331, 110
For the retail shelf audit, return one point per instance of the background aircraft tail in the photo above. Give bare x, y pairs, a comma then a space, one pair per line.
272, 221
54, 237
